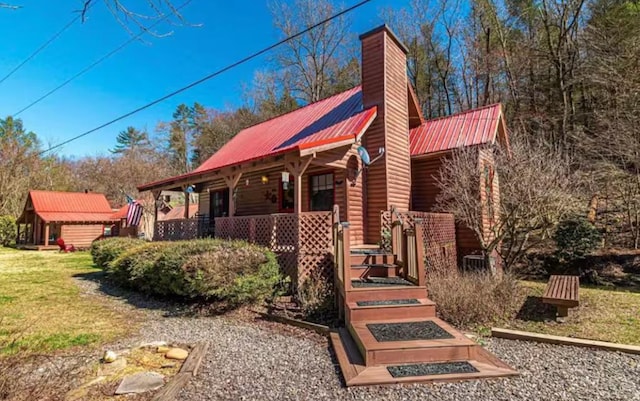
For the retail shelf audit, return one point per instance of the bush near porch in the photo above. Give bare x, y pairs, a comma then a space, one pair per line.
105, 251
235, 272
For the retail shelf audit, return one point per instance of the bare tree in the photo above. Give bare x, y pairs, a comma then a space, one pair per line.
311, 63
510, 198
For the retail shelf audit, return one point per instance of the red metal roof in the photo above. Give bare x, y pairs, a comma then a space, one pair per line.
71, 206
335, 119
473, 127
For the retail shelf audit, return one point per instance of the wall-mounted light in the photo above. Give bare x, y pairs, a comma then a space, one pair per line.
246, 182
264, 179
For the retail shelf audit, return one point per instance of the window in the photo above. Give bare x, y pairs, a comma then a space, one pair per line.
287, 195
322, 192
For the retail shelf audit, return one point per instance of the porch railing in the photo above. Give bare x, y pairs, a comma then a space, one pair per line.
302, 242
182, 229
438, 236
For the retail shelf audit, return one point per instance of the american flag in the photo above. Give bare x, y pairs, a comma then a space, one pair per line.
134, 213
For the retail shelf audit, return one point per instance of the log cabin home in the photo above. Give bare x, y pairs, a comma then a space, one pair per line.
78, 218
286, 173
343, 189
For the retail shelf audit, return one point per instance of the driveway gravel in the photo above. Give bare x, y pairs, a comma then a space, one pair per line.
258, 360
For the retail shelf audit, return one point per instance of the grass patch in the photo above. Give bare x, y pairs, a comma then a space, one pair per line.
604, 314
42, 309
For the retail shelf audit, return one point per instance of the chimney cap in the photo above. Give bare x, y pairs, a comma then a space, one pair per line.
389, 32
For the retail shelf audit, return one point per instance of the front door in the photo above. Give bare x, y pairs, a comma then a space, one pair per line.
218, 206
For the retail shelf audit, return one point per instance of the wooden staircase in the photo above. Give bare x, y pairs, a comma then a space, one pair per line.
392, 334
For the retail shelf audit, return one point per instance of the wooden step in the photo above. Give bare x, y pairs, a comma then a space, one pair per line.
373, 270
385, 293
378, 258
423, 309
457, 348
356, 373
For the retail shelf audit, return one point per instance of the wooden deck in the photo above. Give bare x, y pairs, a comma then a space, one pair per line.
391, 307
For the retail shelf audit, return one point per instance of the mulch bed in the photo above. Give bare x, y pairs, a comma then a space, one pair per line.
427, 369
409, 331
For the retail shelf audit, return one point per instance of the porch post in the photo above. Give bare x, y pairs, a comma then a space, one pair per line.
187, 200
34, 229
297, 168
232, 180
46, 234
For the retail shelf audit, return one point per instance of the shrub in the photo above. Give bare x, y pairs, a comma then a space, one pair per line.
576, 238
106, 250
8, 230
476, 298
233, 271
315, 296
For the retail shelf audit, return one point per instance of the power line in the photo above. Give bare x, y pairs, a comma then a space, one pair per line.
208, 77
95, 63
42, 47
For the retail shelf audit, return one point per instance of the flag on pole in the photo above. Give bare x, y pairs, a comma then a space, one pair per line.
134, 212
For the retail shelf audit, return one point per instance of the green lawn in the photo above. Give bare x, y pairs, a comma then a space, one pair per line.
41, 308
604, 314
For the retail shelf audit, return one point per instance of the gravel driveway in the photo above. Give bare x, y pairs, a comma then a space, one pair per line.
269, 361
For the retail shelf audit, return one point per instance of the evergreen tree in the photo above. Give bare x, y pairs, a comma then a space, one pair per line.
131, 140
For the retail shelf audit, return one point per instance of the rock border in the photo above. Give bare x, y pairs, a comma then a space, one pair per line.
559, 340
189, 368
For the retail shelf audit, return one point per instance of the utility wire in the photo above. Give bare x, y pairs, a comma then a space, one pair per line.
208, 77
42, 47
95, 63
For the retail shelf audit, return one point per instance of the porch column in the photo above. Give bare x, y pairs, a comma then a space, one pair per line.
46, 234
232, 180
297, 168
187, 200
34, 229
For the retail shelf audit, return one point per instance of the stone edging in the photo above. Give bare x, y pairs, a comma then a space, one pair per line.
559, 340
189, 369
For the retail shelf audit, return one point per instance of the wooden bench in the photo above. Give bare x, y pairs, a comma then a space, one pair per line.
562, 291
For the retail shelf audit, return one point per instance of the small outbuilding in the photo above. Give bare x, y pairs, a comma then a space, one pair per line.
77, 217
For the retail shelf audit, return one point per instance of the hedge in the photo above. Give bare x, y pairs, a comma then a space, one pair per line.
234, 271
106, 250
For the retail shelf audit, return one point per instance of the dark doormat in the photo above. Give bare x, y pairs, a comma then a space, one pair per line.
428, 369
389, 302
380, 282
408, 331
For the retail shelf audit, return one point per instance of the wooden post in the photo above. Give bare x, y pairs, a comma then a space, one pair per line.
422, 274
346, 256
297, 168
187, 200
34, 234
232, 180
46, 235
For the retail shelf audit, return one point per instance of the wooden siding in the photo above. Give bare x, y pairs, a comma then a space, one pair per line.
384, 84
81, 235
424, 187
355, 198
251, 199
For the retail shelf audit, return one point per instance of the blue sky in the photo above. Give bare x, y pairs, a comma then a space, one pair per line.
139, 73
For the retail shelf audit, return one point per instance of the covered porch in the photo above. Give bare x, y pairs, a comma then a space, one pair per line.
285, 204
